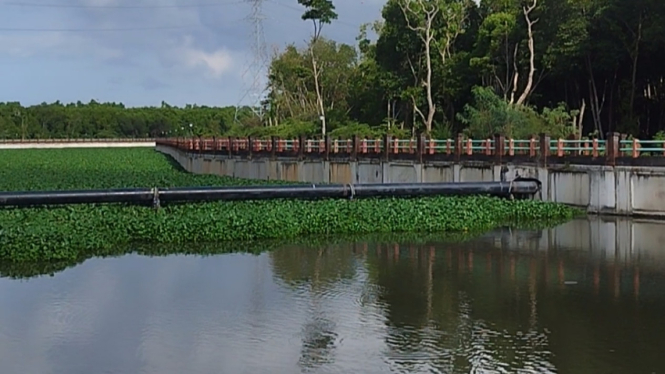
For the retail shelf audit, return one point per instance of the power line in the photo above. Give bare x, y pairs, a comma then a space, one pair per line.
84, 6
100, 29
256, 15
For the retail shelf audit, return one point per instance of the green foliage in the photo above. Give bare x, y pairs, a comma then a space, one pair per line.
292, 92
65, 233
90, 168
111, 120
490, 115
318, 11
70, 233
289, 129
360, 129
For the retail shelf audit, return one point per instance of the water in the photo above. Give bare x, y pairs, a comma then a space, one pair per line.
586, 297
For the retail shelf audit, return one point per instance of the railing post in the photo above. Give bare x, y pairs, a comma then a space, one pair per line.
636, 148
544, 148
420, 148
229, 145
250, 147
612, 148
328, 143
387, 139
273, 147
499, 148
354, 147
622, 137
459, 147
302, 140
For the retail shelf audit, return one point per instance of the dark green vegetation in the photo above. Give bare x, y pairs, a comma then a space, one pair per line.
81, 168
599, 61
75, 232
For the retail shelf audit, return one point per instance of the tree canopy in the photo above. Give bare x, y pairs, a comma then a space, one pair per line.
519, 67
512, 66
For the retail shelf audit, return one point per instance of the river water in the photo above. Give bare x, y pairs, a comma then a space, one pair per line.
585, 297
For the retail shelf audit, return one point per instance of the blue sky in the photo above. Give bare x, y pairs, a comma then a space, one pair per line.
141, 52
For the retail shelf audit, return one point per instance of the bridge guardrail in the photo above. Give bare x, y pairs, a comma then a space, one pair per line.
616, 150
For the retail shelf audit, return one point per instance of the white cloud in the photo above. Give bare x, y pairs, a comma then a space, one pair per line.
216, 63
160, 62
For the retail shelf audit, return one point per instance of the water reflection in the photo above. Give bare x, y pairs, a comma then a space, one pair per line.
585, 297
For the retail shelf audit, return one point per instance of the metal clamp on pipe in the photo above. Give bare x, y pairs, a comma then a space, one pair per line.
353, 191
155, 198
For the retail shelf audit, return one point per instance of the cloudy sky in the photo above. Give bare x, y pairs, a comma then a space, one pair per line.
141, 52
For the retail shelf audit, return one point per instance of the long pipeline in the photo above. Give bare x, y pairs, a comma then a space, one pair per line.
157, 196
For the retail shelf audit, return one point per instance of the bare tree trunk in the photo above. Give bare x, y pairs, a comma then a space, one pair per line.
426, 34
516, 76
317, 88
428, 87
580, 119
532, 55
596, 104
389, 113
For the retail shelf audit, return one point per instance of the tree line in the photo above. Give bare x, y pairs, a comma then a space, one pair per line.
111, 120
517, 67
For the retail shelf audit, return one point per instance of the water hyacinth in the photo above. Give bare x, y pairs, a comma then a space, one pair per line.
70, 232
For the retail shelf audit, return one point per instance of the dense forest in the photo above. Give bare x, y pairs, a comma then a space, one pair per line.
519, 67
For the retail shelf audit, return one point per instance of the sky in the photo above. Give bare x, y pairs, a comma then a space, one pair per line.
143, 52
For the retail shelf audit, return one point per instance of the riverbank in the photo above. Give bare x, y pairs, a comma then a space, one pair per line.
74, 232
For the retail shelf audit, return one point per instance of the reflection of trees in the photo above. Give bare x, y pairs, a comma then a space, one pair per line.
434, 304
485, 306
300, 265
494, 308
318, 270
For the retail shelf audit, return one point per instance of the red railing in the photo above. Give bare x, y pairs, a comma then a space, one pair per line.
617, 149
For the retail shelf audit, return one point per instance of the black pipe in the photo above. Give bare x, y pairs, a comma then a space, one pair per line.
500, 189
518, 188
32, 198
307, 191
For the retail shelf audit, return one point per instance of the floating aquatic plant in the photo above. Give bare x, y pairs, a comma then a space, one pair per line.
73, 232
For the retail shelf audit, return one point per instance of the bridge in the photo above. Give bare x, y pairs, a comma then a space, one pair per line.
617, 175
76, 143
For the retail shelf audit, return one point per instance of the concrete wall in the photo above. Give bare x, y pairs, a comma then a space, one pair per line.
76, 145
619, 190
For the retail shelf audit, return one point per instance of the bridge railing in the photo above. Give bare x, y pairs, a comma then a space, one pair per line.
74, 140
615, 150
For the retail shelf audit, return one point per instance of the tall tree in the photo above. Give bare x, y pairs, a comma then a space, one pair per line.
320, 12
437, 23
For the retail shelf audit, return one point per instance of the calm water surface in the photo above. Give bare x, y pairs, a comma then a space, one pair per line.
586, 297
